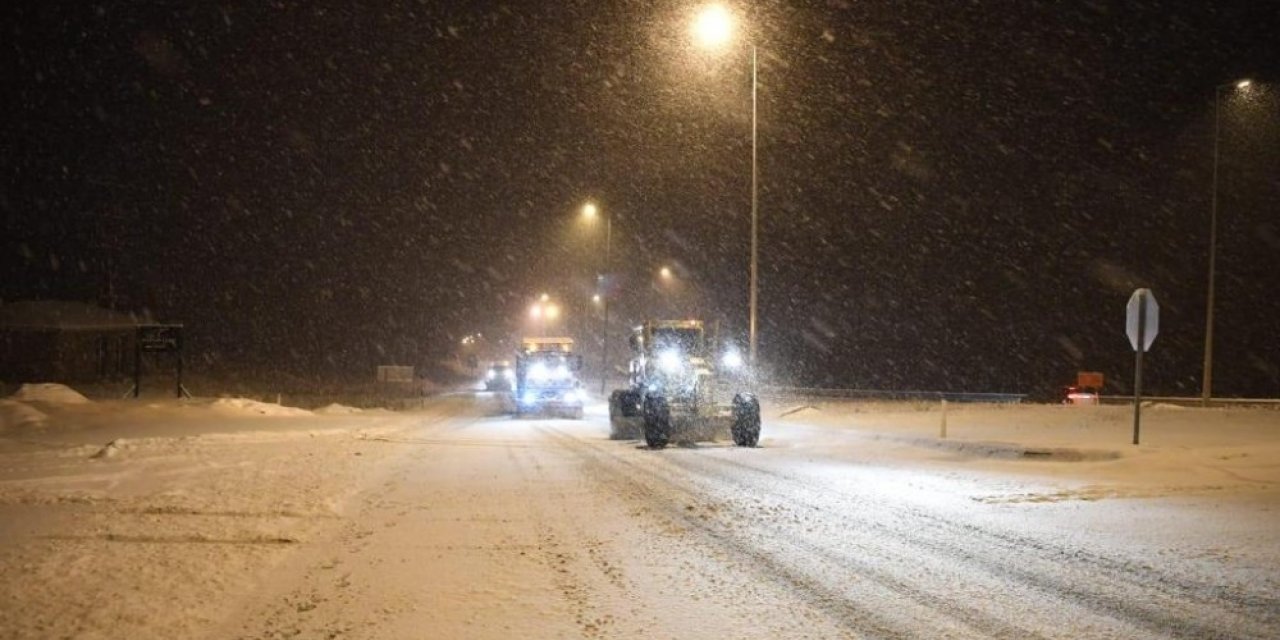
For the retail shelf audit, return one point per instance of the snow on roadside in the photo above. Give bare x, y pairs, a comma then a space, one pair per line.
245, 406
336, 409
1058, 452
49, 393
186, 503
16, 415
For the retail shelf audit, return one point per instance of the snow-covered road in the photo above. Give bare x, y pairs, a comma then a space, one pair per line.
461, 523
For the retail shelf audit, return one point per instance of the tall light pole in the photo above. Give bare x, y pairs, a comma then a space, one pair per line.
1206, 379
591, 211
713, 28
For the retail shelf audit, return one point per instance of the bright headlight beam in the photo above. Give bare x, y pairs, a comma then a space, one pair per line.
731, 359
669, 361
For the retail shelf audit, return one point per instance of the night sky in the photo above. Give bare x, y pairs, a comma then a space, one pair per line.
953, 195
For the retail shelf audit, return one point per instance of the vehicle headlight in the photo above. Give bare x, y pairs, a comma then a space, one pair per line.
538, 371
560, 372
489, 375
529, 397
669, 361
509, 374
731, 359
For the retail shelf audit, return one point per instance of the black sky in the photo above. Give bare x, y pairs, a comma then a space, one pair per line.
953, 195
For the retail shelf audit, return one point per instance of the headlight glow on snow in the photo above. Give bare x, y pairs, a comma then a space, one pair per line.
539, 371
731, 359
669, 361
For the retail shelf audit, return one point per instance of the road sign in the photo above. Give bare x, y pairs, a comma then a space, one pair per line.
1142, 320
163, 338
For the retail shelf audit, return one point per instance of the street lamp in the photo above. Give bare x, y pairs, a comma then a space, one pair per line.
590, 211
542, 311
712, 29
1206, 379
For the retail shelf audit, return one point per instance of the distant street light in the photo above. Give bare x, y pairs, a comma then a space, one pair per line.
590, 211
712, 29
1206, 379
665, 272
544, 311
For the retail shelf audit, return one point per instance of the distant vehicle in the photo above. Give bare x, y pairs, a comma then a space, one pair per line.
499, 377
1075, 395
680, 389
546, 378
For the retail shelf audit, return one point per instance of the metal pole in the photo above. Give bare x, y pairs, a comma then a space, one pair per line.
754, 210
1206, 380
604, 295
1137, 365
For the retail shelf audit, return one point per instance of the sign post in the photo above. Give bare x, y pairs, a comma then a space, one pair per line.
1142, 323
154, 339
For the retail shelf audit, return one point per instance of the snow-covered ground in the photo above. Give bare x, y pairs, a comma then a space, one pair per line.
235, 518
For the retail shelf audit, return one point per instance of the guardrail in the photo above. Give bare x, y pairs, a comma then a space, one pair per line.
1196, 401
882, 394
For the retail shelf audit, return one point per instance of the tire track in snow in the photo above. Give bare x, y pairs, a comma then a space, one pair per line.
842, 604
1109, 589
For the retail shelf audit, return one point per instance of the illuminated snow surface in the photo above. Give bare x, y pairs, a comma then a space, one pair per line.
236, 518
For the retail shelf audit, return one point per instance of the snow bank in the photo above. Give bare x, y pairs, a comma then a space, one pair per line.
49, 393
336, 409
245, 406
16, 415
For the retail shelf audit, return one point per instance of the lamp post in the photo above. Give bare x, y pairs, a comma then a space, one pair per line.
712, 28
591, 211
1206, 379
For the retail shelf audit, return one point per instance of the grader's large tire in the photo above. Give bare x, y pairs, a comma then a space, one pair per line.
623, 422
746, 420
657, 422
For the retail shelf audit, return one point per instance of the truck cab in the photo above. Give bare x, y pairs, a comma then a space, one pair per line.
546, 378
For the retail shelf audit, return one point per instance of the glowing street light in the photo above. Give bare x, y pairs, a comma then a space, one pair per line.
712, 29
665, 272
543, 312
1206, 379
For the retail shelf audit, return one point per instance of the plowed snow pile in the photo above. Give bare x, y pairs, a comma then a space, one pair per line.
336, 409
245, 406
49, 393
16, 415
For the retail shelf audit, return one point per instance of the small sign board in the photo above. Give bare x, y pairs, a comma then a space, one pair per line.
1089, 380
160, 338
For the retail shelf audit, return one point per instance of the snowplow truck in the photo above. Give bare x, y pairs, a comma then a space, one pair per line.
547, 381
681, 390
